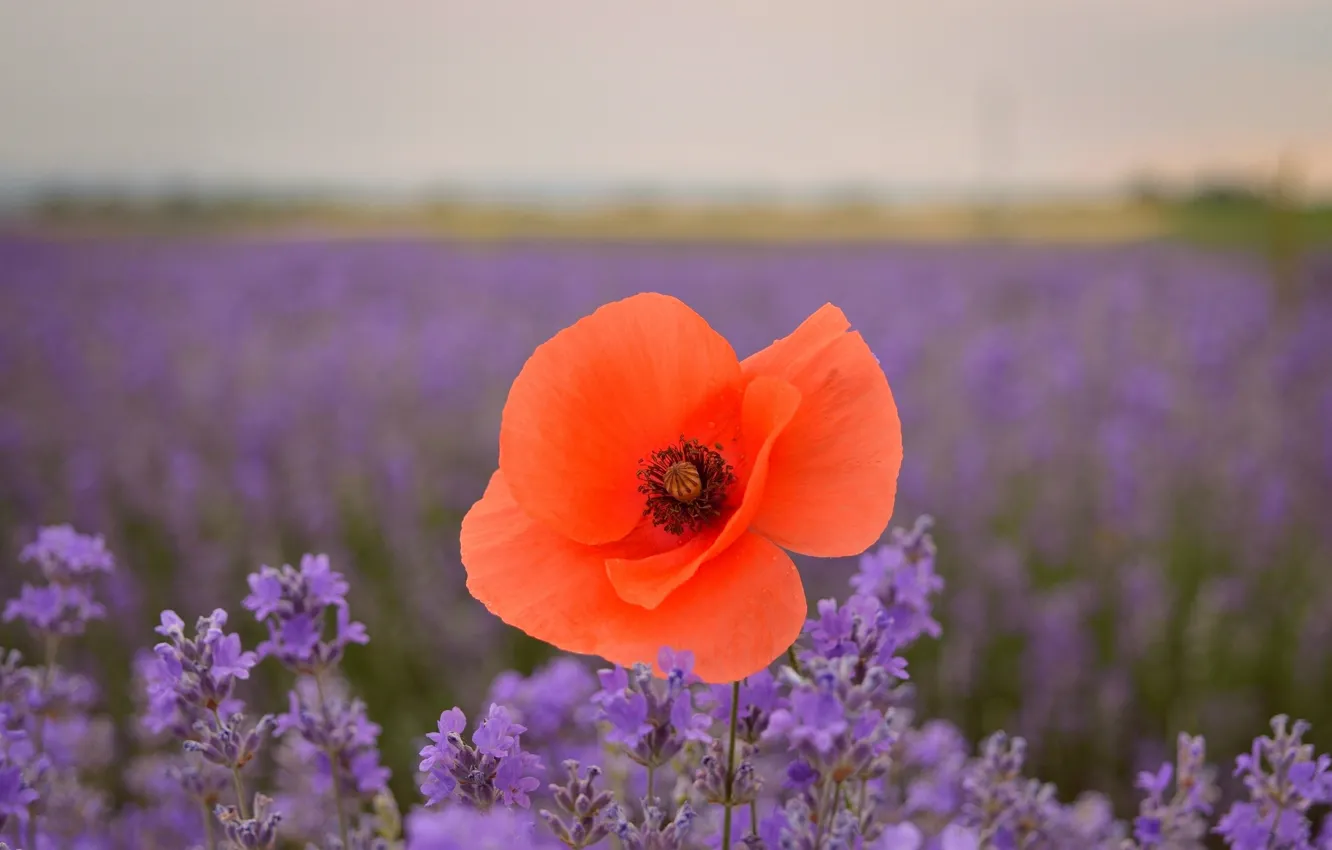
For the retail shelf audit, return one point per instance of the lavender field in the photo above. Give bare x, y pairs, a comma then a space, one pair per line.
1125, 450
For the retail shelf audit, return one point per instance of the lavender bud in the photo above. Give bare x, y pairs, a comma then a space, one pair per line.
585, 807
254, 833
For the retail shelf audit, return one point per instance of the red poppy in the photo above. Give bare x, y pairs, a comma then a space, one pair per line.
649, 480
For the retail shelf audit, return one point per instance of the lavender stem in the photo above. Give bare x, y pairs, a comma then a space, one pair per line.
240, 793
209, 836
52, 650
333, 764
51, 647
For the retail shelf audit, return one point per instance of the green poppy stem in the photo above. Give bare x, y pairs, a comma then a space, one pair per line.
730, 766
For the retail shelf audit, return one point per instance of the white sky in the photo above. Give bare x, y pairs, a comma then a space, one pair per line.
793, 95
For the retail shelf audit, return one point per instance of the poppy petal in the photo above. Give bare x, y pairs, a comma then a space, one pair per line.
529, 576
832, 477
599, 396
740, 611
768, 406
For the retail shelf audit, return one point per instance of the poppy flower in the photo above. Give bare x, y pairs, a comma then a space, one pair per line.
649, 481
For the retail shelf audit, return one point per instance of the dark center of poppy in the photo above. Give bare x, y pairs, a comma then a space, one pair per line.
685, 484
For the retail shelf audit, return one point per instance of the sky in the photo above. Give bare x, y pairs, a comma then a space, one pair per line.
790, 96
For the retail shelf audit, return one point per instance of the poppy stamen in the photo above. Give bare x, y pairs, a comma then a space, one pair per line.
685, 484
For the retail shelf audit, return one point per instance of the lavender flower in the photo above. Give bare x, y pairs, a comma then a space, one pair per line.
179, 793
48, 739
900, 836
552, 703
325, 728
258, 831
652, 722
16, 795
931, 761
492, 768
191, 696
336, 728
710, 778
65, 605
956, 837
587, 810
329, 730
292, 603
55, 609
195, 677
73, 813
66, 556
301, 791
230, 742
839, 718
1180, 820
840, 711
801, 826
1284, 780
1003, 808
658, 831
760, 696
900, 574
465, 828
192, 691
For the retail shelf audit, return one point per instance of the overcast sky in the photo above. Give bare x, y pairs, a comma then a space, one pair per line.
793, 95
